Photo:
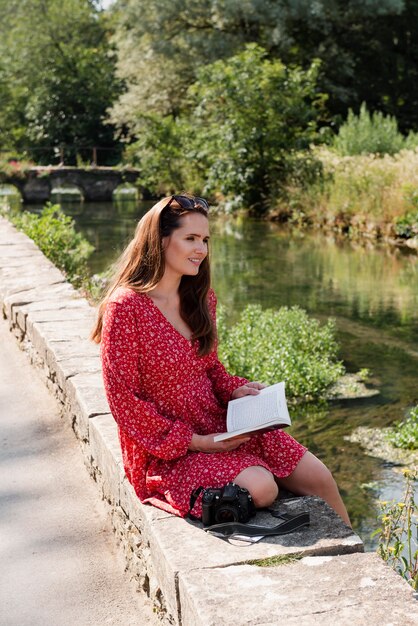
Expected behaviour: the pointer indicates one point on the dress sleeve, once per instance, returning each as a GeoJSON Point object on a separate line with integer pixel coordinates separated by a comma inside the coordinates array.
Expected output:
{"type": "Point", "coordinates": [223, 383]}
{"type": "Point", "coordinates": [139, 419]}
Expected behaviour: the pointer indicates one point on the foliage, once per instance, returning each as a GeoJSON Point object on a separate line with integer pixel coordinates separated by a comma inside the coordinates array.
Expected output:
{"type": "Point", "coordinates": [368, 50]}
{"type": "Point", "coordinates": [57, 66]}
{"type": "Point", "coordinates": [368, 134]}
{"type": "Point", "coordinates": [407, 225]}
{"type": "Point", "coordinates": [405, 434]}
{"type": "Point", "coordinates": [160, 154]}
{"type": "Point", "coordinates": [365, 191]}
{"type": "Point", "coordinates": [163, 43]}
{"type": "Point", "coordinates": [252, 118]}
{"type": "Point", "coordinates": [271, 346]}
{"type": "Point", "coordinates": [241, 135]}
{"type": "Point", "coordinates": [12, 166]}
{"type": "Point", "coordinates": [54, 233]}
{"type": "Point", "coordinates": [397, 545]}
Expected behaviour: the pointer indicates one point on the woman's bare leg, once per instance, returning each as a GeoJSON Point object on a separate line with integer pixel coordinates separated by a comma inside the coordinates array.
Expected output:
{"type": "Point", "coordinates": [312, 478]}
{"type": "Point", "coordinates": [260, 483]}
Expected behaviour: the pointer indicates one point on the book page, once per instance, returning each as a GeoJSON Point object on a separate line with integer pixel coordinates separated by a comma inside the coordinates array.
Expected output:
{"type": "Point", "coordinates": [250, 411]}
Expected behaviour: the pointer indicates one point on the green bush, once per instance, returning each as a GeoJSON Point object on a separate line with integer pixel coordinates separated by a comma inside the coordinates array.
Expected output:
{"type": "Point", "coordinates": [254, 119]}
{"type": "Point", "coordinates": [13, 166]}
{"type": "Point", "coordinates": [242, 134]}
{"type": "Point", "coordinates": [270, 346]}
{"type": "Point", "coordinates": [407, 225]}
{"type": "Point", "coordinates": [405, 434]}
{"type": "Point", "coordinates": [369, 134]}
{"type": "Point", "coordinates": [54, 233]}
{"type": "Point", "coordinates": [160, 154]}
{"type": "Point", "coordinates": [411, 141]}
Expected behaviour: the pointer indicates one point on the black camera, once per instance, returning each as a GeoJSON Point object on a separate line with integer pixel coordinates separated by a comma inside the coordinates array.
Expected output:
{"type": "Point", "coordinates": [229, 504]}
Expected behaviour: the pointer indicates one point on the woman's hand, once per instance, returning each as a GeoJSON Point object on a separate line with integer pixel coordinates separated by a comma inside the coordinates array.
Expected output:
{"type": "Point", "coordinates": [205, 443]}
{"type": "Point", "coordinates": [249, 389]}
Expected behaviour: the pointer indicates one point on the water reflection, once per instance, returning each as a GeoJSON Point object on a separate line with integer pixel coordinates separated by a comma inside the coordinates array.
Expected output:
{"type": "Point", "coordinates": [371, 291]}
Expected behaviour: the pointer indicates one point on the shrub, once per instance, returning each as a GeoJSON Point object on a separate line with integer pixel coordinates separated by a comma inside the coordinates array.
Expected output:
{"type": "Point", "coordinates": [54, 233]}
{"type": "Point", "coordinates": [271, 346]}
{"type": "Point", "coordinates": [243, 131]}
{"type": "Point", "coordinates": [254, 120]}
{"type": "Point", "coordinates": [13, 167]}
{"type": "Point", "coordinates": [380, 189]}
{"type": "Point", "coordinates": [407, 225]}
{"type": "Point", "coordinates": [160, 154]}
{"type": "Point", "coordinates": [405, 434]}
{"type": "Point", "coordinates": [369, 134]}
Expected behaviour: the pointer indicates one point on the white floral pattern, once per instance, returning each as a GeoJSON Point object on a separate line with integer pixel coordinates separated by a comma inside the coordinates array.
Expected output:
{"type": "Point", "coordinates": [161, 392]}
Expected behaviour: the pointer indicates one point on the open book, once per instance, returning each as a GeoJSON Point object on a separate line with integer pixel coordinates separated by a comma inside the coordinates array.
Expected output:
{"type": "Point", "coordinates": [255, 414]}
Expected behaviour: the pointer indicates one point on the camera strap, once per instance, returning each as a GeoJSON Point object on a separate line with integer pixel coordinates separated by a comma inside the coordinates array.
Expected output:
{"type": "Point", "coordinates": [232, 530]}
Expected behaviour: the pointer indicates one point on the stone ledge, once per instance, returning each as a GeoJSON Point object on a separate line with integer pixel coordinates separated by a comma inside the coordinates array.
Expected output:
{"type": "Point", "coordinates": [345, 590]}
{"type": "Point", "coordinates": [182, 568]}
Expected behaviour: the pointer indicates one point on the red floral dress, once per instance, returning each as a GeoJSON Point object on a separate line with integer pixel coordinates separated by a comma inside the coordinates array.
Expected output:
{"type": "Point", "coordinates": [161, 392]}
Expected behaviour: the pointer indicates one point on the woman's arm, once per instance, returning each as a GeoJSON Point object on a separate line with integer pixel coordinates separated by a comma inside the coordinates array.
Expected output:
{"type": "Point", "coordinates": [140, 419]}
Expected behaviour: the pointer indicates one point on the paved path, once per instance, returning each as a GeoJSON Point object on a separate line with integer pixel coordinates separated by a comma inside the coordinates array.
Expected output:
{"type": "Point", "coordinates": [59, 562]}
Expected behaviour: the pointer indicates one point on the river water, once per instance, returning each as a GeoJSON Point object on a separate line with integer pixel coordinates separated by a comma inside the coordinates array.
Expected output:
{"type": "Point", "coordinates": [371, 291]}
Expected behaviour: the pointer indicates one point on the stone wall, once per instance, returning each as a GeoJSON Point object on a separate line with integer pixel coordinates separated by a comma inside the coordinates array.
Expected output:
{"type": "Point", "coordinates": [318, 573]}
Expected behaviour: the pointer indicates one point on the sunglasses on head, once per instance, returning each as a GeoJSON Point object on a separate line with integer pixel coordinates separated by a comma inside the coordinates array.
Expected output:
{"type": "Point", "coordinates": [189, 203]}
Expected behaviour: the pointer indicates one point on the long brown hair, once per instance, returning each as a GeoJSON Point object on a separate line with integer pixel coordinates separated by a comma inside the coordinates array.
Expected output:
{"type": "Point", "coordinates": [141, 267]}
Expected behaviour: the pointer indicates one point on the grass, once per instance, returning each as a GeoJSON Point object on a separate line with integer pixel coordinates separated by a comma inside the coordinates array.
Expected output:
{"type": "Point", "coordinates": [277, 560]}
{"type": "Point", "coordinates": [376, 195]}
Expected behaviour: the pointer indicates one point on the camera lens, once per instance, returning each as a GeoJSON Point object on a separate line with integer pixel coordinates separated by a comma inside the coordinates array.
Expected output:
{"type": "Point", "coordinates": [226, 514]}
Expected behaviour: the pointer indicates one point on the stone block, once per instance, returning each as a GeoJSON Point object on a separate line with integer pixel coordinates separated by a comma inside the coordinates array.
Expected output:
{"type": "Point", "coordinates": [72, 329]}
{"type": "Point", "coordinates": [21, 266]}
{"type": "Point", "coordinates": [85, 398]}
{"type": "Point", "coordinates": [67, 368]}
{"type": "Point", "coordinates": [23, 249]}
{"type": "Point", "coordinates": [144, 516]}
{"type": "Point", "coordinates": [60, 350]}
{"type": "Point", "coordinates": [43, 294]}
{"type": "Point", "coordinates": [349, 590]}
{"type": "Point", "coordinates": [106, 455]}
{"type": "Point", "coordinates": [75, 309]}
{"type": "Point", "coordinates": [10, 236]}
{"type": "Point", "coordinates": [18, 285]}
{"type": "Point", "coordinates": [195, 549]}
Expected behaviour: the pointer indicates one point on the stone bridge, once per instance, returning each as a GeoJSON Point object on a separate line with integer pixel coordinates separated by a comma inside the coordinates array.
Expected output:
{"type": "Point", "coordinates": [96, 184]}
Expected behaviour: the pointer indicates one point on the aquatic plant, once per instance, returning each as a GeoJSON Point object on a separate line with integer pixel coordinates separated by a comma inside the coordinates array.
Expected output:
{"type": "Point", "coordinates": [398, 532]}
{"type": "Point", "coordinates": [405, 434]}
{"type": "Point", "coordinates": [285, 344]}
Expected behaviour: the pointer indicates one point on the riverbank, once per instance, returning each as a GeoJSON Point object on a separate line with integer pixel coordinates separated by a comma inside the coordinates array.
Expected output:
{"type": "Point", "coordinates": [360, 197]}
{"type": "Point", "coordinates": [375, 442]}
{"type": "Point", "coordinates": [189, 579]}
{"type": "Point", "coordinates": [363, 198]}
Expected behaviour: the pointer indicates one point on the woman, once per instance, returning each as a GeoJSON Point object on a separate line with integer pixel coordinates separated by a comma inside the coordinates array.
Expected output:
{"type": "Point", "coordinates": [166, 388]}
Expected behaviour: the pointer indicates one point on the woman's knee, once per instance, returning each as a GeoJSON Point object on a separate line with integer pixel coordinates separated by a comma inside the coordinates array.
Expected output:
{"type": "Point", "coordinates": [260, 483]}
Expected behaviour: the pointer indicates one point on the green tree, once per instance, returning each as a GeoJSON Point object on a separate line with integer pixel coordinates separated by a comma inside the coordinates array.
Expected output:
{"type": "Point", "coordinates": [58, 66]}
{"type": "Point", "coordinates": [243, 133]}
{"type": "Point", "coordinates": [252, 118]}
{"type": "Point", "coordinates": [368, 50]}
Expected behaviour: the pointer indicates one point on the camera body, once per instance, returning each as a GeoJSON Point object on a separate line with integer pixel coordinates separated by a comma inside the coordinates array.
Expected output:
{"type": "Point", "coordinates": [229, 504]}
